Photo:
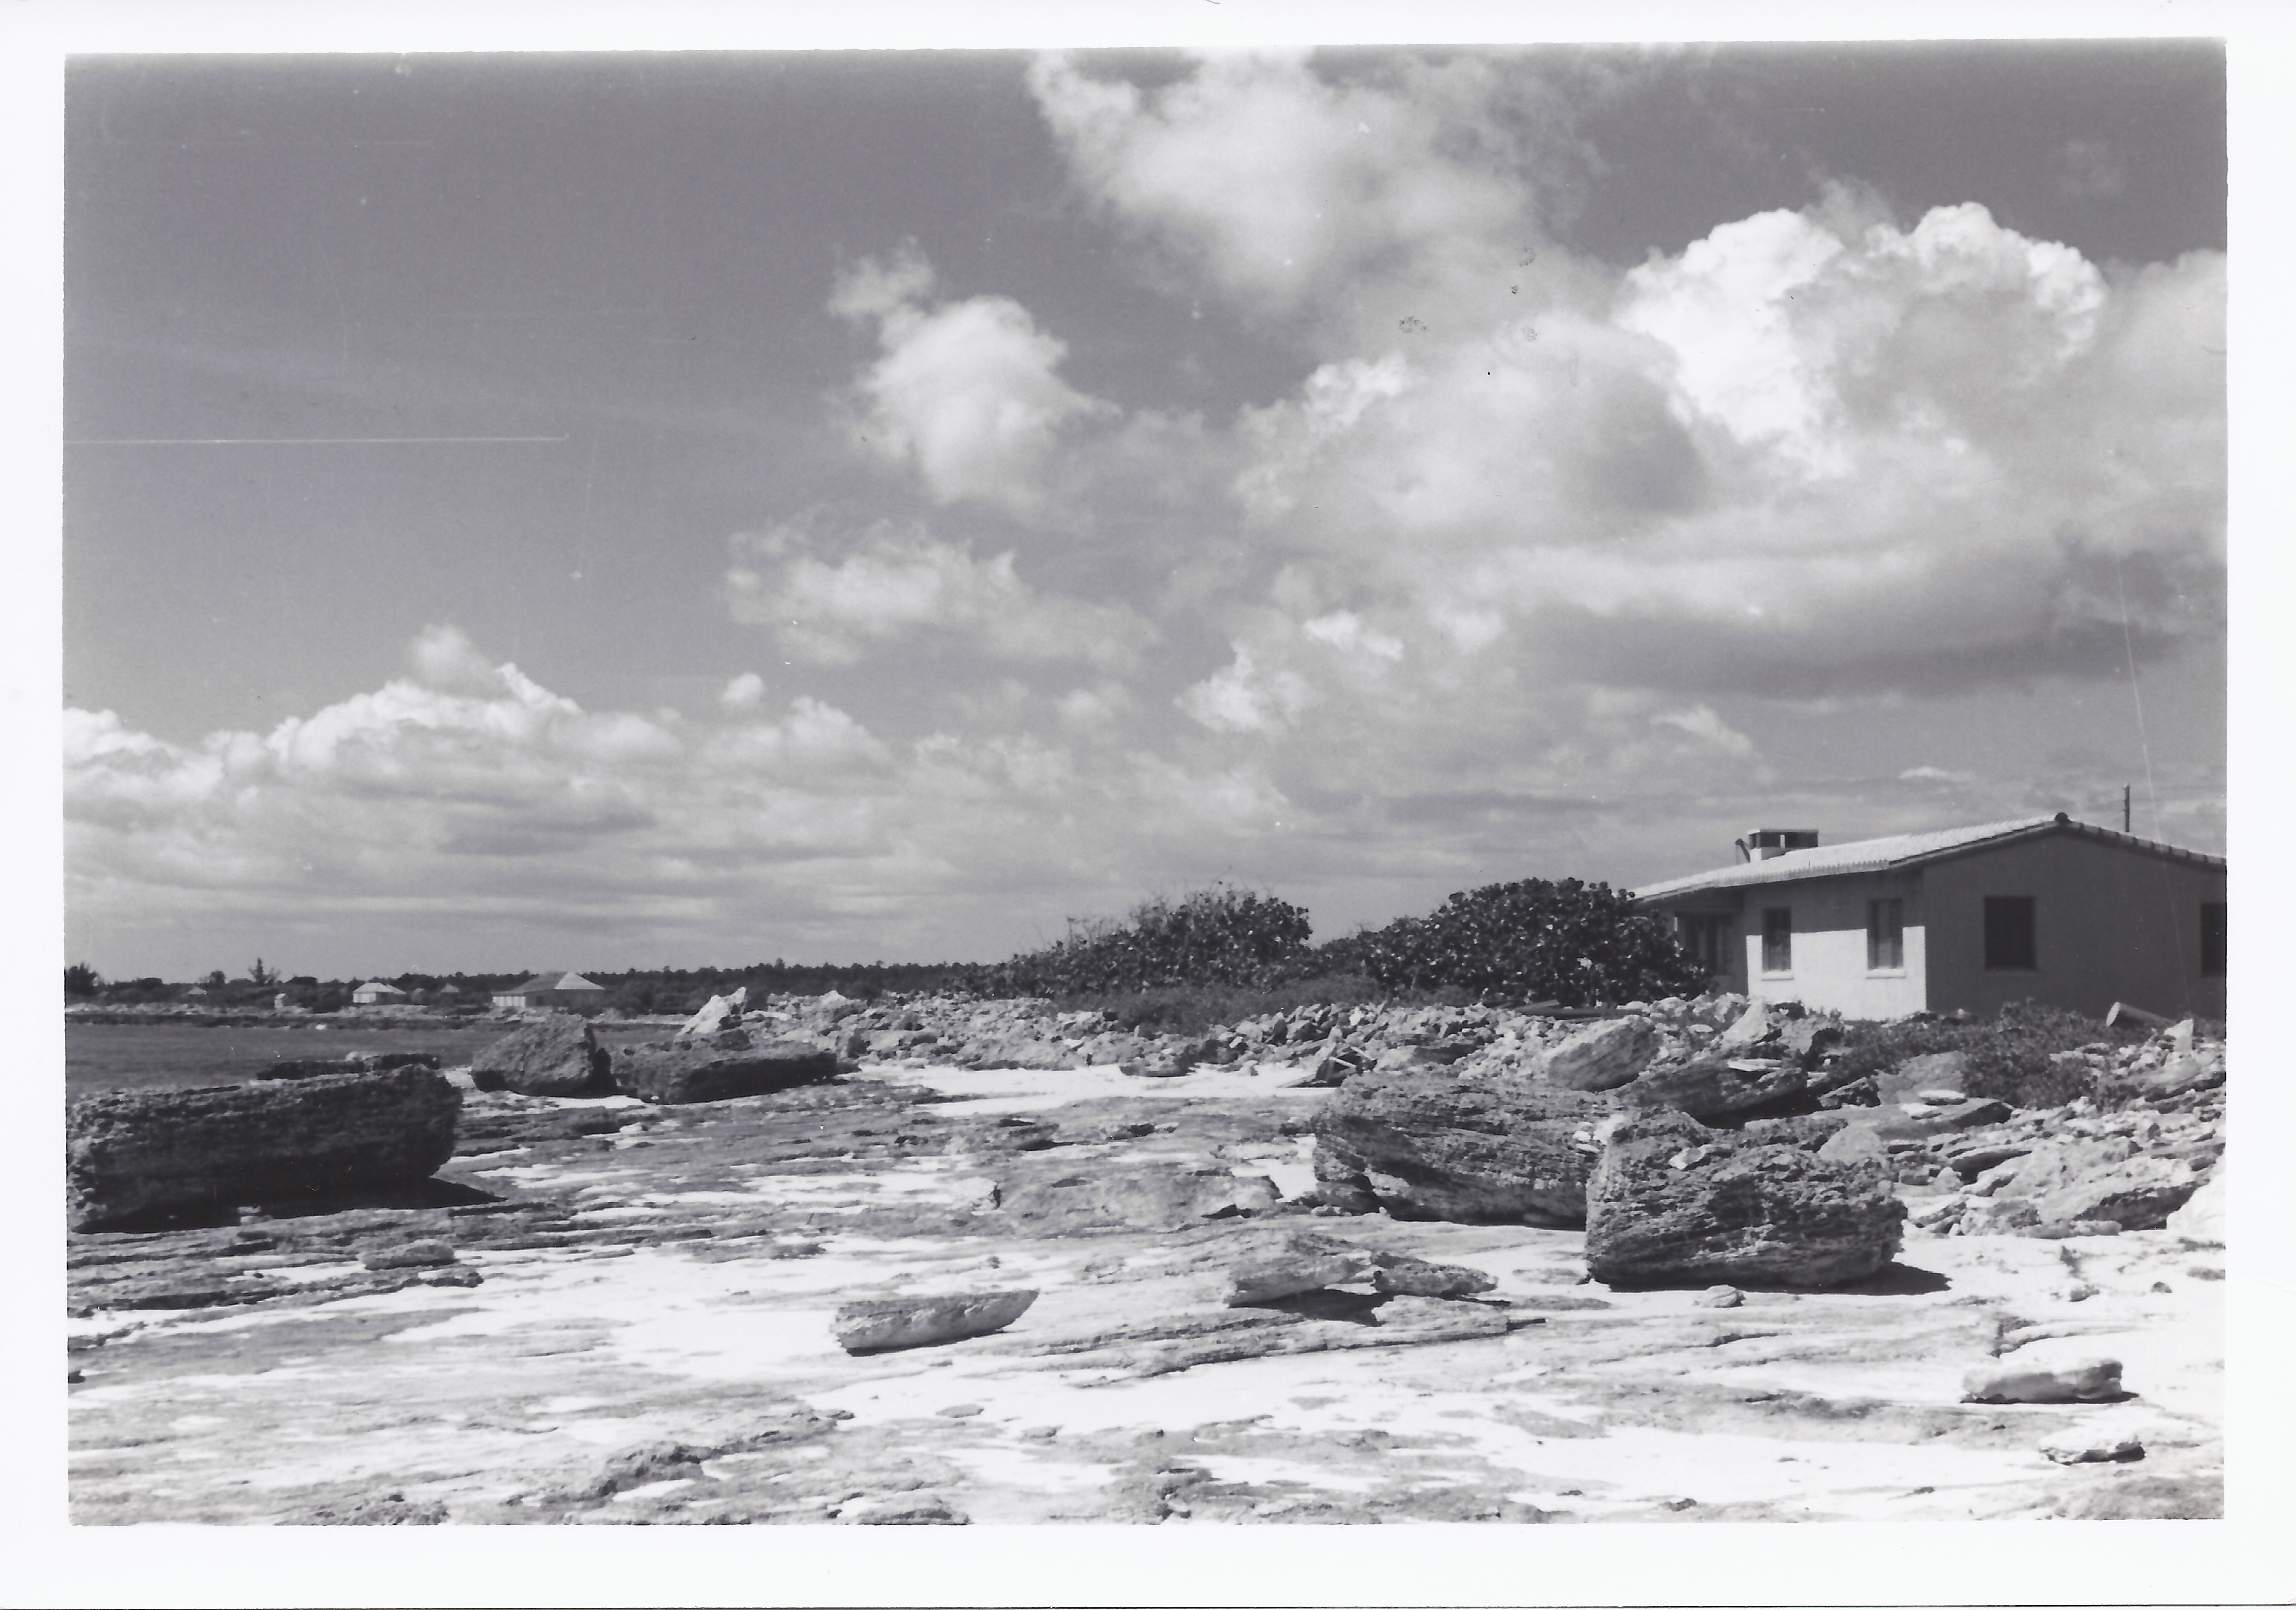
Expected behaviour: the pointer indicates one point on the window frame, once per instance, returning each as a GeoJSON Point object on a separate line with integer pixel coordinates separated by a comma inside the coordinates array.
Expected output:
{"type": "Point", "coordinates": [1775, 929]}
{"type": "Point", "coordinates": [1891, 960]}
{"type": "Point", "coordinates": [1989, 933]}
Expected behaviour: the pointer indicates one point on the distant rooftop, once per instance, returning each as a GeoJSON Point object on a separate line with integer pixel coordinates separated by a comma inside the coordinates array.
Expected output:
{"type": "Point", "coordinates": [1904, 850]}
{"type": "Point", "coordinates": [552, 981]}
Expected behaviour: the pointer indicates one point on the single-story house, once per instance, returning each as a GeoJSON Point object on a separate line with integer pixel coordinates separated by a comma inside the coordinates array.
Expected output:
{"type": "Point", "coordinates": [570, 991]}
{"type": "Point", "coordinates": [375, 991]}
{"type": "Point", "coordinates": [2047, 909]}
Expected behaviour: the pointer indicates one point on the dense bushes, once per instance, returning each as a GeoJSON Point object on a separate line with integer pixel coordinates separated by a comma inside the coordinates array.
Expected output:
{"type": "Point", "coordinates": [2009, 1055]}
{"type": "Point", "coordinates": [1573, 943]}
{"type": "Point", "coordinates": [1219, 936]}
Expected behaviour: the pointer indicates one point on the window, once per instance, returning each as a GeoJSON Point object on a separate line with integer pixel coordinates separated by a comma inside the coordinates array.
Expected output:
{"type": "Point", "coordinates": [2009, 946]}
{"type": "Point", "coordinates": [2212, 939]}
{"type": "Point", "coordinates": [1777, 939]}
{"type": "Point", "coordinates": [1705, 938]}
{"type": "Point", "coordinates": [1885, 936]}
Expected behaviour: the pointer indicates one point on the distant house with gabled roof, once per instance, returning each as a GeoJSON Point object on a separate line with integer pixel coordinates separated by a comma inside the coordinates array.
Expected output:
{"type": "Point", "coordinates": [570, 991]}
{"type": "Point", "coordinates": [375, 991]}
{"type": "Point", "coordinates": [1964, 918]}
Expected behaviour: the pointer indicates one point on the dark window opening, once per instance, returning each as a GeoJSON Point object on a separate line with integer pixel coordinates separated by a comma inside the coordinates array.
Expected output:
{"type": "Point", "coordinates": [2009, 938]}
{"type": "Point", "coordinates": [2212, 939]}
{"type": "Point", "coordinates": [1777, 939]}
{"type": "Point", "coordinates": [1705, 938]}
{"type": "Point", "coordinates": [1885, 936]}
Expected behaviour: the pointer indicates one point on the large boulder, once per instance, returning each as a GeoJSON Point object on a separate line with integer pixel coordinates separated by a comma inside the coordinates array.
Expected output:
{"type": "Point", "coordinates": [2201, 1221]}
{"type": "Point", "coordinates": [726, 1065]}
{"type": "Point", "coordinates": [718, 1013]}
{"type": "Point", "coordinates": [1499, 1147]}
{"type": "Point", "coordinates": [1713, 1086]}
{"type": "Point", "coordinates": [1601, 1055]}
{"type": "Point", "coordinates": [558, 1055]}
{"type": "Point", "coordinates": [130, 1155]}
{"type": "Point", "coordinates": [1675, 1203]}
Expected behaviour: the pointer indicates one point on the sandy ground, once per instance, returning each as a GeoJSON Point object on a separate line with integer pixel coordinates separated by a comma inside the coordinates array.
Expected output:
{"type": "Point", "coordinates": [650, 1340]}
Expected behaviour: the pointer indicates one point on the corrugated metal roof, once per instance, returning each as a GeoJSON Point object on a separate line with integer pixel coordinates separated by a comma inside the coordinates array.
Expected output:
{"type": "Point", "coordinates": [1899, 851]}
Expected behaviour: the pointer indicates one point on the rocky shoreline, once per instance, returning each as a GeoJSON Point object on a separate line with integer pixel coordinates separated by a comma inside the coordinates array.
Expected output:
{"type": "Point", "coordinates": [956, 1261]}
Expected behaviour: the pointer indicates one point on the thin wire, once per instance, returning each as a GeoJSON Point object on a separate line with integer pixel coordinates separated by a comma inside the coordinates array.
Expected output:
{"type": "Point", "coordinates": [2144, 743]}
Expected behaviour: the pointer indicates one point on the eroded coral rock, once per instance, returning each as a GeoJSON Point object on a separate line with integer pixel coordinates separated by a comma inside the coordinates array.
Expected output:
{"type": "Point", "coordinates": [1494, 1147]}
{"type": "Point", "coordinates": [1673, 1202]}
{"type": "Point", "coordinates": [887, 1324]}
{"type": "Point", "coordinates": [132, 1153]}
{"type": "Point", "coordinates": [558, 1055]}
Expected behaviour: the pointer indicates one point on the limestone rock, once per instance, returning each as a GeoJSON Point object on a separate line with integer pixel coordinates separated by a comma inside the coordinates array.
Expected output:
{"type": "Point", "coordinates": [1601, 1055]}
{"type": "Point", "coordinates": [1673, 1202]}
{"type": "Point", "coordinates": [1496, 1147]}
{"type": "Point", "coordinates": [721, 1069]}
{"type": "Point", "coordinates": [1753, 1025]}
{"type": "Point", "coordinates": [412, 1254]}
{"type": "Point", "coordinates": [1295, 1264]}
{"type": "Point", "coordinates": [2015, 1381]}
{"type": "Point", "coordinates": [2104, 1178]}
{"type": "Point", "coordinates": [130, 1153]}
{"type": "Point", "coordinates": [2201, 1221]}
{"type": "Point", "coordinates": [1146, 1197]}
{"type": "Point", "coordinates": [558, 1055]}
{"type": "Point", "coordinates": [1937, 1071]}
{"type": "Point", "coordinates": [718, 1012]}
{"type": "Point", "coordinates": [1401, 1275]}
{"type": "Point", "coordinates": [886, 1324]}
{"type": "Point", "coordinates": [2093, 1448]}
{"type": "Point", "coordinates": [1712, 1087]}
{"type": "Point", "coordinates": [311, 1067]}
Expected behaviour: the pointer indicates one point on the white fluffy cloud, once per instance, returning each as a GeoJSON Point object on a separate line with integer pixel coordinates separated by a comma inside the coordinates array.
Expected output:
{"type": "Point", "coordinates": [466, 807]}
{"type": "Point", "coordinates": [901, 583]}
{"type": "Point", "coordinates": [967, 393]}
{"type": "Point", "coordinates": [1284, 185]}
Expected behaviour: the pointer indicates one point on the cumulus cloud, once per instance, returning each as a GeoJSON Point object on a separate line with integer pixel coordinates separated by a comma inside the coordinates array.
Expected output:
{"type": "Point", "coordinates": [900, 584]}
{"type": "Point", "coordinates": [493, 809]}
{"type": "Point", "coordinates": [966, 393]}
{"type": "Point", "coordinates": [1283, 185]}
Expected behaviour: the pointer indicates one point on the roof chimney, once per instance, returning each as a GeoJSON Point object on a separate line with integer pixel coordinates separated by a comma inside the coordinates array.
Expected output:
{"type": "Point", "coordinates": [1766, 844]}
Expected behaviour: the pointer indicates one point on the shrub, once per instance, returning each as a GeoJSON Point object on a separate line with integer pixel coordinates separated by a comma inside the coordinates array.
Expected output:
{"type": "Point", "coordinates": [1219, 935]}
{"type": "Point", "coordinates": [2010, 1056]}
{"type": "Point", "coordinates": [81, 979]}
{"type": "Point", "coordinates": [1569, 941]}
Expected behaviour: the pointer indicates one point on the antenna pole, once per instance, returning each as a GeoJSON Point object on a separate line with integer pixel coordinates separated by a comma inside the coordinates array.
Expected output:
{"type": "Point", "coordinates": [2124, 807]}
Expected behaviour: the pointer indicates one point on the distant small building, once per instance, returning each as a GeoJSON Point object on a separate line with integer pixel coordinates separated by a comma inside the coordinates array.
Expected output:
{"type": "Point", "coordinates": [1964, 918]}
{"type": "Point", "coordinates": [570, 991]}
{"type": "Point", "coordinates": [376, 993]}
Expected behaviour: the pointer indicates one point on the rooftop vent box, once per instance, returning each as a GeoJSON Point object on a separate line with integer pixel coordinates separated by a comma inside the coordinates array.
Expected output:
{"type": "Point", "coordinates": [1763, 843]}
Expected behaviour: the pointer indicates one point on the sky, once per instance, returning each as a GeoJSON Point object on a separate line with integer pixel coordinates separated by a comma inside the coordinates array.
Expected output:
{"type": "Point", "coordinates": [648, 509]}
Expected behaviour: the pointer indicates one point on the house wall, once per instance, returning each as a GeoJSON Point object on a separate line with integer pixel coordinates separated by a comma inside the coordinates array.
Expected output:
{"type": "Point", "coordinates": [1829, 971]}
{"type": "Point", "coordinates": [1829, 968]}
{"type": "Point", "coordinates": [2110, 924]}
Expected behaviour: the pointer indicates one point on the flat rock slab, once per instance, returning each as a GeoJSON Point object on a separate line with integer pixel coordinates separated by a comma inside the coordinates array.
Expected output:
{"type": "Point", "coordinates": [1712, 1087]}
{"type": "Point", "coordinates": [130, 1155]}
{"type": "Point", "coordinates": [1149, 1196]}
{"type": "Point", "coordinates": [889, 1324]}
{"type": "Point", "coordinates": [2079, 1381]}
{"type": "Point", "coordinates": [716, 1070]}
{"type": "Point", "coordinates": [1673, 1202]}
{"type": "Point", "coordinates": [1483, 1149]}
